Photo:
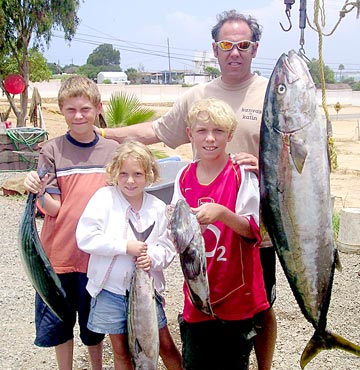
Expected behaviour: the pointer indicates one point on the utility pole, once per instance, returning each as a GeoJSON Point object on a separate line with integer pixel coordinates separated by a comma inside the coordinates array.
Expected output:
{"type": "Point", "coordinates": [170, 79]}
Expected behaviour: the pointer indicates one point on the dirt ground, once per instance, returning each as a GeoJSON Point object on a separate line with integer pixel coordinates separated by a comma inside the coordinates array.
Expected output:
{"type": "Point", "coordinates": [16, 296]}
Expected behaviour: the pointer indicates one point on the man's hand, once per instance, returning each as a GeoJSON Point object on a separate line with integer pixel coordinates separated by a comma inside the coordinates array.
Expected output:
{"type": "Point", "coordinates": [250, 162]}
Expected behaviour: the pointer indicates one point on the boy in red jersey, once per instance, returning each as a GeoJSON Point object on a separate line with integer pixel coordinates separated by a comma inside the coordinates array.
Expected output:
{"type": "Point", "coordinates": [225, 199]}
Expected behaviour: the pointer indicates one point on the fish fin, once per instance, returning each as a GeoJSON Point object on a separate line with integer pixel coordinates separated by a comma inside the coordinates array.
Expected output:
{"type": "Point", "coordinates": [141, 236]}
{"type": "Point", "coordinates": [325, 341]}
{"type": "Point", "coordinates": [298, 152]}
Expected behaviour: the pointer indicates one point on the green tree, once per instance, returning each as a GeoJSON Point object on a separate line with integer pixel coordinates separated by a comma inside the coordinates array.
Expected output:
{"type": "Point", "coordinates": [314, 69]}
{"type": "Point", "coordinates": [350, 81]}
{"type": "Point", "coordinates": [38, 68]}
{"type": "Point", "coordinates": [22, 21]}
{"type": "Point", "coordinates": [134, 76]}
{"type": "Point", "coordinates": [70, 68]}
{"type": "Point", "coordinates": [341, 68]}
{"type": "Point", "coordinates": [102, 59]}
{"type": "Point", "coordinates": [125, 110]}
{"type": "Point", "coordinates": [54, 68]}
{"type": "Point", "coordinates": [212, 71]}
{"type": "Point", "coordinates": [104, 55]}
{"type": "Point", "coordinates": [89, 71]}
{"type": "Point", "coordinates": [356, 86]}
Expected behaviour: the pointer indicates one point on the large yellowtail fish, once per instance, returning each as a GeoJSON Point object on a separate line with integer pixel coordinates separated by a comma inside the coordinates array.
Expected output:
{"type": "Point", "coordinates": [295, 196]}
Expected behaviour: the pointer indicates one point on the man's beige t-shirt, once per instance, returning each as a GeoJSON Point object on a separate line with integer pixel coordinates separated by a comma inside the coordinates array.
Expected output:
{"type": "Point", "coordinates": [246, 99]}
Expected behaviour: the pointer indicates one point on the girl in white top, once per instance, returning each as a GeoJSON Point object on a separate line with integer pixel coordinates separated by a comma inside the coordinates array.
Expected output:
{"type": "Point", "coordinates": [104, 232]}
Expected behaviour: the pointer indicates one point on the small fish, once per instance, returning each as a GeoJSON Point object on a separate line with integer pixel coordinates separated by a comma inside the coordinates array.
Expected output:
{"type": "Point", "coordinates": [143, 338]}
{"type": "Point", "coordinates": [37, 265]}
{"type": "Point", "coordinates": [295, 196]}
{"type": "Point", "coordinates": [189, 243]}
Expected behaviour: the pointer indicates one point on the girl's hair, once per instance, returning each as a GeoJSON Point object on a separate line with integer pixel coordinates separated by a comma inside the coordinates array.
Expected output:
{"type": "Point", "coordinates": [234, 16]}
{"type": "Point", "coordinates": [76, 86]}
{"type": "Point", "coordinates": [137, 151]}
{"type": "Point", "coordinates": [212, 110]}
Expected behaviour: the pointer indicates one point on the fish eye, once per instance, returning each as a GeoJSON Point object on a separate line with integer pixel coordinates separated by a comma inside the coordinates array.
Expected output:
{"type": "Point", "coordinates": [281, 89]}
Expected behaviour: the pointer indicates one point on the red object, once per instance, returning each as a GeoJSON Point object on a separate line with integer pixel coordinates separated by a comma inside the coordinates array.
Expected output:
{"type": "Point", "coordinates": [14, 84]}
{"type": "Point", "coordinates": [7, 124]}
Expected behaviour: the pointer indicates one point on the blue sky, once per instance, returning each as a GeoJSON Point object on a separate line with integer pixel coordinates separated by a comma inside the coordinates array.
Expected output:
{"type": "Point", "coordinates": [142, 31]}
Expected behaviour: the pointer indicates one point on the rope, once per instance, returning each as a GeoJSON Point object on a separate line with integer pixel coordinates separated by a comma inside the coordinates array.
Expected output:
{"type": "Point", "coordinates": [331, 143]}
{"type": "Point", "coordinates": [347, 8]}
{"type": "Point", "coordinates": [28, 137]}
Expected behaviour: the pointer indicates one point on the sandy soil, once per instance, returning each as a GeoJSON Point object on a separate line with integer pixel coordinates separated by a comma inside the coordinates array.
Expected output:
{"type": "Point", "coordinates": [16, 296]}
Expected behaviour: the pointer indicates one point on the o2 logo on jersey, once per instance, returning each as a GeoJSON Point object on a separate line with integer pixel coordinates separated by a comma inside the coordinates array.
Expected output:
{"type": "Point", "coordinates": [212, 236]}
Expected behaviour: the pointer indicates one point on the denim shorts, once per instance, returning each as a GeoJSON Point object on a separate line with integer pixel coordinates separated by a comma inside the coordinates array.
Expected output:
{"type": "Point", "coordinates": [50, 331]}
{"type": "Point", "coordinates": [108, 313]}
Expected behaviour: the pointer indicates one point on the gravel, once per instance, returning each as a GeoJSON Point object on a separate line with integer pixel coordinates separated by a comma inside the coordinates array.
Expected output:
{"type": "Point", "coordinates": [17, 351]}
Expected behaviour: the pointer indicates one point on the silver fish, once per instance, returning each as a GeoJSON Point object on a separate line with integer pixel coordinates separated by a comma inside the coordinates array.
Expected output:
{"type": "Point", "coordinates": [295, 196]}
{"type": "Point", "coordinates": [189, 243]}
{"type": "Point", "coordinates": [37, 265]}
{"type": "Point", "coordinates": [143, 338]}
{"type": "Point", "coordinates": [142, 322]}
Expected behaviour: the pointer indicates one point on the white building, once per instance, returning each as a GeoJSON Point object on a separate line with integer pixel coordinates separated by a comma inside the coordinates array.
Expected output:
{"type": "Point", "coordinates": [113, 77]}
{"type": "Point", "coordinates": [195, 78]}
{"type": "Point", "coordinates": [204, 59]}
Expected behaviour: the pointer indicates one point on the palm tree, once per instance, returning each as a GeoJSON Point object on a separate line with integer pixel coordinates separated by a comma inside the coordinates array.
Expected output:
{"type": "Point", "coordinates": [125, 110]}
{"type": "Point", "coordinates": [341, 68]}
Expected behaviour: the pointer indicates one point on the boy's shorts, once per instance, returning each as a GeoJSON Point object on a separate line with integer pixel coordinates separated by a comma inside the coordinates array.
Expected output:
{"type": "Point", "coordinates": [108, 314]}
{"type": "Point", "coordinates": [50, 331]}
{"type": "Point", "coordinates": [268, 263]}
{"type": "Point", "coordinates": [216, 344]}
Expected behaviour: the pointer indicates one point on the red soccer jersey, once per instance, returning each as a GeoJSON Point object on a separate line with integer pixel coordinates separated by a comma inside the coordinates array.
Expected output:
{"type": "Point", "coordinates": [233, 264]}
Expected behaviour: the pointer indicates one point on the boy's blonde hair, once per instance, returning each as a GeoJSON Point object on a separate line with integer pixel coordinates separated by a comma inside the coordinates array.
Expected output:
{"type": "Point", "coordinates": [76, 86]}
{"type": "Point", "coordinates": [137, 151]}
{"type": "Point", "coordinates": [212, 110]}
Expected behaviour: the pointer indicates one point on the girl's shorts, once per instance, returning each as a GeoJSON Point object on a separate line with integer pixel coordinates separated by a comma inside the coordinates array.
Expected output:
{"type": "Point", "coordinates": [108, 313]}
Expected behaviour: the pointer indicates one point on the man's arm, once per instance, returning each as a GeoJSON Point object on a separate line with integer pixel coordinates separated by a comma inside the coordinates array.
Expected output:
{"type": "Point", "coordinates": [142, 132]}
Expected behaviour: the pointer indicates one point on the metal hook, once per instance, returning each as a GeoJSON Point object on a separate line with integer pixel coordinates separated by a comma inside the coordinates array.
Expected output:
{"type": "Point", "coordinates": [302, 54]}
{"type": "Point", "coordinates": [287, 11]}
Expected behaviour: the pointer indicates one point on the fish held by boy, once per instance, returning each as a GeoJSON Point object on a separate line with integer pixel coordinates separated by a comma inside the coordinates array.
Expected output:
{"type": "Point", "coordinates": [36, 263]}
{"type": "Point", "coordinates": [189, 243]}
{"type": "Point", "coordinates": [143, 337]}
{"type": "Point", "coordinates": [295, 196]}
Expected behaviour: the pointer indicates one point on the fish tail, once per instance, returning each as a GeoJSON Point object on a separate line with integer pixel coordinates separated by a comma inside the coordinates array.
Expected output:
{"type": "Point", "coordinates": [325, 341]}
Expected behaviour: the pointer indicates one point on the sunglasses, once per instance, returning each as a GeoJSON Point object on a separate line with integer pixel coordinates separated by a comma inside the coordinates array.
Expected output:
{"type": "Point", "coordinates": [241, 45]}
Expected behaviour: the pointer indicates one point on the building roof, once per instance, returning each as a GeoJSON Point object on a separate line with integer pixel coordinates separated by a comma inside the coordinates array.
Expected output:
{"type": "Point", "coordinates": [338, 87]}
{"type": "Point", "coordinates": [112, 74]}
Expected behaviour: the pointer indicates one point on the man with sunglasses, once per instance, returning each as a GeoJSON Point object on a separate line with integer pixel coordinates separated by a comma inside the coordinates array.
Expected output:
{"type": "Point", "coordinates": [236, 39]}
